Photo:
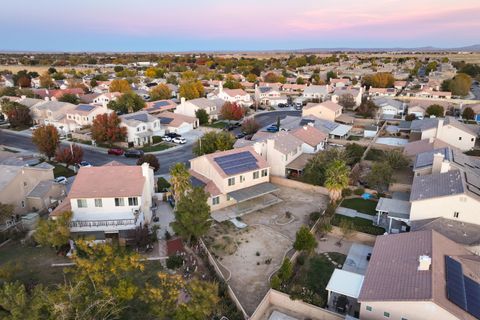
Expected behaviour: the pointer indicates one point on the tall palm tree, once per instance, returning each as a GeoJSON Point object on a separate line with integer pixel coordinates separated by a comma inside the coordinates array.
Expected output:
{"type": "Point", "coordinates": [336, 179]}
{"type": "Point", "coordinates": [180, 180]}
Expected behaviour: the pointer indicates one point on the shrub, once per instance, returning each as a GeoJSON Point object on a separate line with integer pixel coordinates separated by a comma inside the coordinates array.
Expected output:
{"type": "Point", "coordinates": [359, 191]}
{"type": "Point", "coordinates": [162, 184]}
{"type": "Point", "coordinates": [314, 216]}
{"type": "Point", "coordinates": [346, 192]}
{"type": "Point", "coordinates": [156, 139]}
{"type": "Point", "coordinates": [301, 260]}
{"type": "Point", "coordinates": [174, 262]}
{"type": "Point", "coordinates": [275, 282]}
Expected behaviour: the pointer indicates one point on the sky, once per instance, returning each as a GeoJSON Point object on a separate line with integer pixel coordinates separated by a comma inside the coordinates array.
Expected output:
{"type": "Point", "coordinates": [209, 25]}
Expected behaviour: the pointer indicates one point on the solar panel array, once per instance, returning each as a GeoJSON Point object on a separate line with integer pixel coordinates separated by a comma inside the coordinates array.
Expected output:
{"type": "Point", "coordinates": [143, 117]}
{"type": "Point", "coordinates": [462, 290]}
{"type": "Point", "coordinates": [237, 163]}
{"type": "Point", "coordinates": [164, 120]}
{"type": "Point", "coordinates": [85, 107]}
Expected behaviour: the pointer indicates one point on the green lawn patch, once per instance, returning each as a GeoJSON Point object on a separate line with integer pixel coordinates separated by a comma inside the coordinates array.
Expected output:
{"type": "Point", "coordinates": [60, 170]}
{"type": "Point", "coordinates": [354, 138]}
{"type": "Point", "coordinates": [361, 205]}
{"type": "Point", "coordinates": [314, 275]}
{"type": "Point", "coordinates": [156, 139]}
{"type": "Point", "coordinates": [156, 147]}
{"type": "Point", "coordinates": [87, 142]}
{"type": "Point", "coordinates": [32, 264]}
{"type": "Point", "coordinates": [359, 224]}
{"type": "Point", "coordinates": [218, 125]}
{"type": "Point", "coordinates": [374, 155]}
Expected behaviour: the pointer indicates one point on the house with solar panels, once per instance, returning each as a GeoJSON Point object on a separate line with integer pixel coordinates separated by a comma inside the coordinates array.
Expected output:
{"type": "Point", "coordinates": [141, 127]}
{"type": "Point", "coordinates": [155, 107]}
{"type": "Point", "coordinates": [190, 107]}
{"type": "Point", "coordinates": [420, 275]}
{"type": "Point", "coordinates": [84, 114]}
{"type": "Point", "coordinates": [269, 96]}
{"type": "Point", "coordinates": [237, 180]}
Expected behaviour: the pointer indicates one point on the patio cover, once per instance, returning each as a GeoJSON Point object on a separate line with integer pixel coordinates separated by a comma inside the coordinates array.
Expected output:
{"type": "Point", "coordinates": [253, 192]}
{"type": "Point", "coordinates": [341, 130]}
{"type": "Point", "coordinates": [394, 208]}
{"type": "Point", "coordinates": [300, 162]}
{"type": "Point", "coordinates": [347, 283]}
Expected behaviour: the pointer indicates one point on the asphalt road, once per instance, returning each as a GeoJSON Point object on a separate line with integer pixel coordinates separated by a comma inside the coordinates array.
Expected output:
{"type": "Point", "coordinates": [476, 91]}
{"type": "Point", "coordinates": [98, 158]}
{"type": "Point", "coordinates": [266, 119]}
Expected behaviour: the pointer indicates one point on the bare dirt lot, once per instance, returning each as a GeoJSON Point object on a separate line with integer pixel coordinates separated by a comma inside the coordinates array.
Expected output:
{"type": "Point", "coordinates": [249, 256]}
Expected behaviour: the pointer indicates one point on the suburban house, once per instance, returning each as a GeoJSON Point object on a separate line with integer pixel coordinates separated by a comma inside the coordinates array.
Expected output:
{"type": "Point", "coordinates": [190, 107]}
{"type": "Point", "coordinates": [109, 202]}
{"type": "Point", "coordinates": [413, 148]}
{"type": "Point", "coordinates": [313, 139]}
{"type": "Point", "coordinates": [238, 96]}
{"type": "Point", "coordinates": [104, 98]}
{"type": "Point", "coordinates": [355, 93]}
{"type": "Point", "coordinates": [54, 113]}
{"type": "Point", "coordinates": [399, 84]}
{"type": "Point", "coordinates": [476, 110]}
{"type": "Point", "coordinates": [382, 92]}
{"type": "Point", "coordinates": [431, 94]}
{"type": "Point", "coordinates": [29, 188]}
{"type": "Point", "coordinates": [389, 107]}
{"type": "Point", "coordinates": [338, 83]}
{"type": "Point", "coordinates": [327, 110]}
{"type": "Point", "coordinates": [177, 123]}
{"type": "Point", "coordinates": [7, 80]}
{"type": "Point", "coordinates": [154, 107]}
{"type": "Point", "coordinates": [269, 96]}
{"type": "Point", "coordinates": [141, 127]}
{"type": "Point", "coordinates": [332, 129]}
{"type": "Point", "coordinates": [446, 184]}
{"type": "Point", "coordinates": [84, 114]}
{"type": "Point", "coordinates": [449, 130]}
{"type": "Point", "coordinates": [235, 177]}
{"type": "Point", "coordinates": [314, 92]}
{"type": "Point", "coordinates": [420, 275]}
{"type": "Point", "coordinates": [419, 107]}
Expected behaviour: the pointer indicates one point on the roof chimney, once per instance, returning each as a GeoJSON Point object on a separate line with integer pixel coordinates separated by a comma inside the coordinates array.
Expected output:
{"type": "Point", "coordinates": [437, 162]}
{"type": "Point", "coordinates": [182, 100]}
{"type": "Point", "coordinates": [424, 263]}
{"type": "Point", "coordinates": [439, 128]}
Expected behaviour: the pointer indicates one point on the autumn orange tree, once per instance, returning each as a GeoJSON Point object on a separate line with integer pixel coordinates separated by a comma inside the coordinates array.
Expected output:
{"type": "Point", "coordinates": [106, 129]}
{"type": "Point", "coordinates": [231, 111]}
{"type": "Point", "coordinates": [120, 85]}
{"type": "Point", "coordinates": [379, 80]}
{"type": "Point", "coordinates": [69, 155]}
{"type": "Point", "coordinates": [46, 139]}
{"type": "Point", "coordinates": [160, 92]}
{"type": "Point", "coordinates": [191, 90]}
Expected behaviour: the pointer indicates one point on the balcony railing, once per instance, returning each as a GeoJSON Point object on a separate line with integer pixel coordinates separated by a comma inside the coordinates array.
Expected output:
{"type": "Point", "coordinates": [101, 223]}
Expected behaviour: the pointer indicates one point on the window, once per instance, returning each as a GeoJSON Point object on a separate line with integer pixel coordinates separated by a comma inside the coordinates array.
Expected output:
{"type": "Point", "coordinates": [119, 202]}
{"type": "Point", "coordinates": [138, 129]}
{"type": "Point", "coordinates": [455, 214]}
{"type": "Point", "coordinates": [242, 178]}
{"type": "Point", "coordinates": [264, 172]}
{"type": "Point", "coordinates": [133, 201]}
{"type": "Point", "coordinates": [473, 139]}
{"type": "Point", "coordinates": [404, 318]}
{"type": "Point", "coordinates": [386, 314]}
{"type": "Point", "coordinates": [23, 204]}
{"type": "Point", "coordinates": [256, 175]}
{"type": "Point", "coordinates": [459, 138]}
{"type": "Point", "coordinates": [216, 200]}
{"type": "Point", "coordinates": [368, 308]}
{"type": "Point", "coordinates": [98, 203]}
{"type": "Point", "coordinates": [231, 181]}
{"type": "Point", "coordinates": [81, 203]}
{"type": "Point", "coordinates": [229, 198]}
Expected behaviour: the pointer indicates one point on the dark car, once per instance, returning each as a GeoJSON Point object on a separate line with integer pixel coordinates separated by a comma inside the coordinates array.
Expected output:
{"type": "Point", "coordinates": [173, 135]}
{"type": "Point", "coordinates": [115, 151]}
{"type": "Point", "coordinates": [282, 105]}
{"type": "Point", "coordinates": [240, 135]}
{"type": "Point", "coordinates": [133, 153]}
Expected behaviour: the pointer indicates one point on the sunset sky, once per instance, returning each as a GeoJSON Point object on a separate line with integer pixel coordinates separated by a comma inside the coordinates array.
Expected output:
{"type": "Point", "coordinates": [187, 25]}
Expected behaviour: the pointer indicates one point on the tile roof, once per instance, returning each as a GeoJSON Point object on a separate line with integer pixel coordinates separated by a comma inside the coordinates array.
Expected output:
{"type": "Point", "coordinates": [310, 135]}
{"type": "Point", "coordinates": [108, 182]}
{"type": "Point", "coordinates": [285, 142]}
{"type": "Point", "coordinates": [175, 119]}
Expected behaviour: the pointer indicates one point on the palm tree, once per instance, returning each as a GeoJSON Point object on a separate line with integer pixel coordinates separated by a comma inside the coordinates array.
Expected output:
{"type": "Point", "coordinates": [336, 179]}
{"type": "Point", "coordinates": [180, 180]}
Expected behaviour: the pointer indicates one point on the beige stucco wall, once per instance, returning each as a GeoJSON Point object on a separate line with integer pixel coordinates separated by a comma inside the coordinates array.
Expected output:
{"type": "Point", "coordinates": [24, 182]}
{"type": "Point", "coordinates": [418, 310]}
{"type": "Point", "coordinates": [467, 207]}
{"type": "Point", "coordinates": [321, 112]}
{"type": "Point", "coordinates": [452, 135]}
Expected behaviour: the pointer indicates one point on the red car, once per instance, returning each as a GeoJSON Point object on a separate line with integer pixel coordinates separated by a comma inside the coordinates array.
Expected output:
{"type": "Point", "coordinates": [116, 151]}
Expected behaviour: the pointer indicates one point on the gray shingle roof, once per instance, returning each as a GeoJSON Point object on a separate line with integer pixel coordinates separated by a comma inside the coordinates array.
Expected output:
{"type": "Point", "coordinates": [425, 159]}
{"type": "Point", "coordinates": [437, 185]}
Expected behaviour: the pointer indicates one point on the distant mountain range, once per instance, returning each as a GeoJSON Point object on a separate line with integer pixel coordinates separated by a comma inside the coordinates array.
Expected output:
{"type": "Point", "coordinates": [472, 48]}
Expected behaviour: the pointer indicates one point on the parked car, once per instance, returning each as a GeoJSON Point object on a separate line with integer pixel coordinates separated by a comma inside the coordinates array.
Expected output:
{"type": "Point", "coordinates": [173, 135]}
{"type": "Point", "coordinates": [115, 151]}
{"type": "Point", "coordinates": [298, 106]}
{"type": "Point", "coordinates": [166, 138]}
{"type": "Point", "coordinates": [240, 135]}
{"type": "Point", "coordinates": [84, 164]}
{"type": "Point", "coordinates": [61, 180]}
{"type": "Point", "coordinates": [282, 105]}
{"type": "Point", "coordinates": [133, 153]}
{"type": "Point", "coordinates": [272, 128]}
{"type": "Point", "coordinates": [179, 140]}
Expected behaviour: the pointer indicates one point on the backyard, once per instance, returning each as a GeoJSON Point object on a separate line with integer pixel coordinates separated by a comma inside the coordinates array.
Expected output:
{"type": "Point", "coordinates": [361, 205]}
{"type": "Point", "coordinates": [358, 224]}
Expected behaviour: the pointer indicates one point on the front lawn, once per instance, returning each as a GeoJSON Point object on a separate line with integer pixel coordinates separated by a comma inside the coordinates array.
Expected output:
{"type": "Point", "coordinates": [313, 276]}
{"type": "Point", "coordinates": [60, 170]}
{"type": "Point", "coordinates": [361, 205]}
{"type": "Point", "coordinates": [31, 264]}
{"type": "Point", "coordinates": [217, 125]}
{"type": "Point", "coordinates": [359, 224]}
{"type": "Point", "coordinates": [156, 147]}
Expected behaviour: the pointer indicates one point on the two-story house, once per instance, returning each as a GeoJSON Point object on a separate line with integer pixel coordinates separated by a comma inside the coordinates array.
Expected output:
{"type": "Point", "coordinates": [232, 177]}
{"type": "Point", "coordinates": [238, 96]}
{"type": "Point", "coordinates": [104, 98]}
{"type": "Point", "coordinates": [141, 127]}
{"type": "Point", "coordinates": [318, 93]}
{"type": "Point", "coordinates": [190, 107]}
{"type": "Point", "coordinates": [54, 113]}
{"type": "Point", "coordinates": [269, 96]}
{"type": "Point", "coordinates": [327, 110]}
{"type": "Point", "coordinates": [84, 114]}
{"type": "Point", "coordinates": [355, 93]}
{"type": "Point", "coordinates": [109, 202]}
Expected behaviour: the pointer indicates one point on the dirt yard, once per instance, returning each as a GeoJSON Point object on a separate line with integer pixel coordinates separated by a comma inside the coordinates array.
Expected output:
{"type": "Point", "coordinates": [251, 255]}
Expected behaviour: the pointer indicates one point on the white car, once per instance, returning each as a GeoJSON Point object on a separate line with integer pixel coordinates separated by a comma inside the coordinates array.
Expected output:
{"type": "Point", "coordinates": [61, 180]}
{"type": "Point", "coordinates": [166, 138]}
{"type": "Point", "coordinates": [179, 140]}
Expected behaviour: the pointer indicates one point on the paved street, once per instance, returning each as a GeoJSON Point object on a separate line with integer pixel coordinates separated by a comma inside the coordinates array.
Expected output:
{"type": "Point", "coordinates": [98, 158]}
{"type": "Point", "coordinates": [266, 119]}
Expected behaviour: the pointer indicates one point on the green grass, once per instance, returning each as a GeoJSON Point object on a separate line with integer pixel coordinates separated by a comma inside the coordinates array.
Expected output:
{"type": "Point", "coordinates": [31, 264]}
{"type": "Point", "coordinates": [87, 142]}
{"type": "Point", "coordinates": [156, 139]}
{"type": "Point", "coordinates": [354, 138]}
{"type": "Point", "coordinates": [374, 155]}
{"type": "Point", "coordinates": [359, 224]}
{"type": "Point", "coordinates": [314, 275]}
{"type": "Point", "coordinates": [157, 147]}
{"type": "Point", "coordinates": [361, 205]}
{"type": "Point", "coordinates": [60, 170]}
{"type": "Point", "coordinates": [218, 125]}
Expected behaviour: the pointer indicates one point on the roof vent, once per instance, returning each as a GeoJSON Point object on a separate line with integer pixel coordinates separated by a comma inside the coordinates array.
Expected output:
{"type": "Point", "coordinates": [424, 263]}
